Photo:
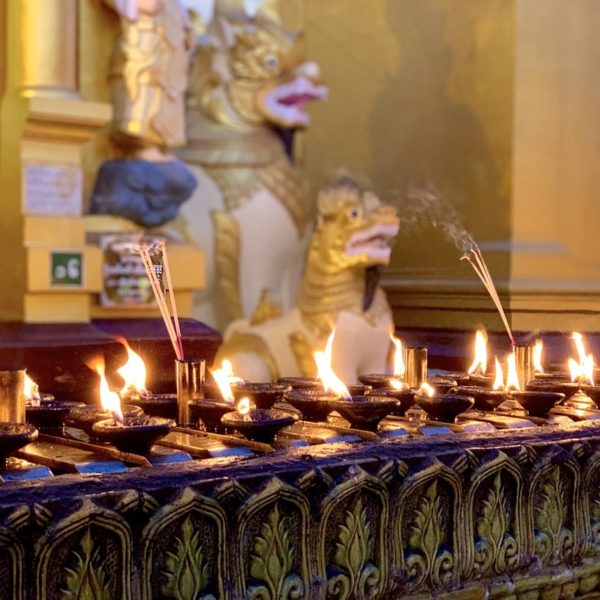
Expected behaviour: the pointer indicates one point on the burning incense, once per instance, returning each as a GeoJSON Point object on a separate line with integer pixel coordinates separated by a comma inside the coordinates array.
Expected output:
{"type": "Point", "coordinates": [483, 273]}
{"type": "Point", "coordinates": [174, 332]}
{"type": "Point", "coordinates": [163, 248]}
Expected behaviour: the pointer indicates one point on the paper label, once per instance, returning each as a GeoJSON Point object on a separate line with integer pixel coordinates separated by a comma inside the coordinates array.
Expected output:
{"type": "Point", "coordinates": [52, 189]}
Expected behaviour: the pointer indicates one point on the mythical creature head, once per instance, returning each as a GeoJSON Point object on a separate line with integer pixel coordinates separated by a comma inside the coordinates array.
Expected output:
{"type": "Point", "coordinates": [249, 70]}
{"type": "Point", "coordinates": [354, 229]}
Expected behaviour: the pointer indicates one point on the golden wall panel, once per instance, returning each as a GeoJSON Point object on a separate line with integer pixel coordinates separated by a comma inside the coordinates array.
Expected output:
{"type": "Point", "coordinates": [420, 92]}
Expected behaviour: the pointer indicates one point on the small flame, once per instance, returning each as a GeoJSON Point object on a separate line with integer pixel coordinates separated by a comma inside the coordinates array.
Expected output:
{"type": "Point", "coordinates": [109, 400]}
{"type": "Point", "coordinates": [224, 378]}
{"type": "Point", "coordinates": [399, 366]}
{"type": "Point", "coordinates": [582, 371]}
{"type": "Point", "coordinates": [538, 349]}
{"type": "Point", "coordinates": [499, 379]}
{"type": "Point", "coordinates": [512, 377]}
{"type": "Point", "coordinates": [243, 406]}
{"type": "Point", "coordinates": [398, 385]}
{"type": "Point", "coordinates": [426, 390]}
{"type": "Point", "coordinates": [31, 391]}
{"type": "Point", "coordinates": [479, 364]}
{"type": "Point", "coordinates": [133, 372]}
{"type": "Point", "coordinates": [331, 382]}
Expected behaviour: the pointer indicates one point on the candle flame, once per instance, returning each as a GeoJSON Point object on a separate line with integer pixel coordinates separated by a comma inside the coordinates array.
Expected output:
{"type": "Point", "coordinates": [512, 376]}
{"type": "Point", "coordinates": [538, 349]}
{"type": "Point", "coordinates": [243, 406]}
{"type": "Point", "coordinates": [582, 371]}
{"type": "Point", "coordinates": [426, 390]}
{"type": "Point", "coordinates": [224, 378]}
{"type": "Point", "coordinates": [398, 385]}
{"type": "Point", "coordinates": [31, 391]}
{"type": "Point", "coordinates": [499, 379]}
{"type": "Point", "coordinates": [133, 372]}
{"type": "Point", "coordinates": [399, 366]}
{"type": "Point", "coordinates": [331, 382]}
{"type": "Point", "coordinates": [109, 400]}
{"type": "Point", "coordinates": [479, 364]}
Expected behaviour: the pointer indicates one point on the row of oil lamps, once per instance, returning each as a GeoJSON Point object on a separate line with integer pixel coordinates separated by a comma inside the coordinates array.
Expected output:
{"type": "Point", "coordinates": [225, 402]}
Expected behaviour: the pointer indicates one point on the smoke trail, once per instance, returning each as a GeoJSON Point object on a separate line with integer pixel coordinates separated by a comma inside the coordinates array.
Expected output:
{"type": "Point", "coordinates": [425, 206]}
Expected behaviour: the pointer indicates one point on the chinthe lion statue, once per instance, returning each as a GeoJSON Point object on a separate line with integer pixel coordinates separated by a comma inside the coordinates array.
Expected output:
{"type": "Point", "coordinates": [351, 238]}
{"type": "Point", "coordinates": [250, 211]}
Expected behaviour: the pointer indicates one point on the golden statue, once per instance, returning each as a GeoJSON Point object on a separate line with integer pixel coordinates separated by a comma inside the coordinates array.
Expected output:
{"type": "Point", "coordinates": [249, 213]}
{"type": "Point", "coordinates": [148, 76]}
{"type": "Point", "coordinates": [148, 79]}
{"type": "Point", "coordinates": [352, 236]}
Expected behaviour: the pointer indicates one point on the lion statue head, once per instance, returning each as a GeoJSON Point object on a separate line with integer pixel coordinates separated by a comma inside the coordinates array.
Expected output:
{"type": "Point", "coordinates": [249, 71]}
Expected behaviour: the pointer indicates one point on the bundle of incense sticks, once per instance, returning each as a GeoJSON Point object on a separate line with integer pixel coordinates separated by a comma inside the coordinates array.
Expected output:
{"type": "Point", "coordinates": [483, 273]}
{"type": "Point", "coordinates": [171, 322]}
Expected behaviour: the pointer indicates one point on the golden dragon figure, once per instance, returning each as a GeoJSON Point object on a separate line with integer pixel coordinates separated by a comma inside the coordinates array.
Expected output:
{"type": "Point", "coordinates": [250, 210]}
{"type": "Point", "coordinates": [352, 235]}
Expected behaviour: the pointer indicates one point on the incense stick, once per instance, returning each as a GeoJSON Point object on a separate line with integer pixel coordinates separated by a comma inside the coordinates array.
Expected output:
{"type": "Point", "coordinates": [484, 275]}
{"type": "Point", "coordinates": [163, 247]}
{"type": "Point", "coordinates": [161, 301]}
{"type": "Point", "coordinates": [158, 295]}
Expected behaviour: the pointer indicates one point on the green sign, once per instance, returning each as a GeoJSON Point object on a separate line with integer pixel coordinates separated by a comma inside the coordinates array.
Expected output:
{"type": "Point", "coordinates": [66, 269]}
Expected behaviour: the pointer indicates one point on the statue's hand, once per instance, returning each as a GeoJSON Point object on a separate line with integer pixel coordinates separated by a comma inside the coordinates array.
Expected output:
{"type": "Point", "coordinates": [149, 7]}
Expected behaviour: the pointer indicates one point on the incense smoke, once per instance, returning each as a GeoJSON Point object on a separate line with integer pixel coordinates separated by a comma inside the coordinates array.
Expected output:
{"type": "Point", "coordinates": [425, 206]}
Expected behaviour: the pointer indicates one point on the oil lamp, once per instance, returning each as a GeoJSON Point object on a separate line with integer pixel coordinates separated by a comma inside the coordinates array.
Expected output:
{"type": "Point", "coordinates": [523, 403]}
{"type": "Point", "coordinates": [258, 424]}
{"type": "Point", "coordinates": [478, 369]}
{"type": "Point", "coordinates": [487, 399]}
{"type": "Point", "coordinates": [135, 433]}
{"type": "Point", "coordinates": [580, 391]}
{"type": "Point", "coordinates": [442, 407]}
{"type": "Point", "coordinates": [361, 411]}
{"type": "Point", "coordinates": [84, 417]}
{"type": "Point", "coordinates": [218, 400]}
{"type": "Point", "coordinates": [381, 380]}
{"type": "Point", "coordinates": [134, 390]}
{"type": "Point", "coordinates": [42, 410]}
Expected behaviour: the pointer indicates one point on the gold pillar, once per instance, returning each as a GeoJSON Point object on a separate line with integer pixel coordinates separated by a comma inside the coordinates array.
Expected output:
{"type": "Point", "coordinates": [49, 47]}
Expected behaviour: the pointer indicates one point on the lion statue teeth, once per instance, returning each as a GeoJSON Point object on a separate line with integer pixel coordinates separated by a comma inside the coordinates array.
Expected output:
{"type": "Point", "coordinates": [249, 214]}
{"type": "Point", "coordinates": [352, 237]}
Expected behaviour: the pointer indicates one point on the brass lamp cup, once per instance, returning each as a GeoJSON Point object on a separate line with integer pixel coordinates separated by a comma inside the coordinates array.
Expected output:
{"type": "Point", "coordinates": [524, 363]}
{"type": "Point", "coordinates": [189, 376]}
{"type": "Point", "coordinates": [416, 366]}
{"type": "Point", "coordinates": [12, 399]}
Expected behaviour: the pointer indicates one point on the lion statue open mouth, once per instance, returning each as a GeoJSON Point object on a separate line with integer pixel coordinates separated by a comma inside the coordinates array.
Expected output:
{"type": "Point", "coordinates": [353, 234]}
{"type": "Point", "coordinates": [249, 214]}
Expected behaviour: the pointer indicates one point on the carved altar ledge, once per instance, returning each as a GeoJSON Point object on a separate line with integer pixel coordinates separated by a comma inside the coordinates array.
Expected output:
{"type": "Point", "coordinates": [513, 515]}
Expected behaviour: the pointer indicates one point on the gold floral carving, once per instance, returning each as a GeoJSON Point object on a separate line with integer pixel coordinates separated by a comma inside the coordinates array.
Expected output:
{"type": "Point", "coordinates": [271, 563]}
{"type": "Point", "coordinates": [427, 558]}
{"type": "Point", "coordinates": [357, 577]}
{"type": "Point", "coordinates": [303, 353]}
{"type": "Point", "coordinates": [86, 579]}
{"type": "Point", "coordinates": [227, 249]}
{"type": "Point", "coordinates": [553, 539]}
{"type": "Point", "coordinates": [186, 571]}
{"type": "Point", "coordinates": [496, 548]}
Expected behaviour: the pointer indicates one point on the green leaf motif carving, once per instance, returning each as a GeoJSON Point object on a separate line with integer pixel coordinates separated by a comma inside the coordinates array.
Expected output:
{"type": "Point", "coordinates": [354, 575]}
{"type": "Point", "coordinates": [495, 546]}
{"type": "Point", "coordinates": [86, 579]}
{"type": "Point", "coordinates": [553, 539]}
{"type": "Point", "coordinates": [272, 561]}
{"type": "Point", "coordinates": [185, 569]}
{"type": "Point", "coordinates": [426, 558]}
